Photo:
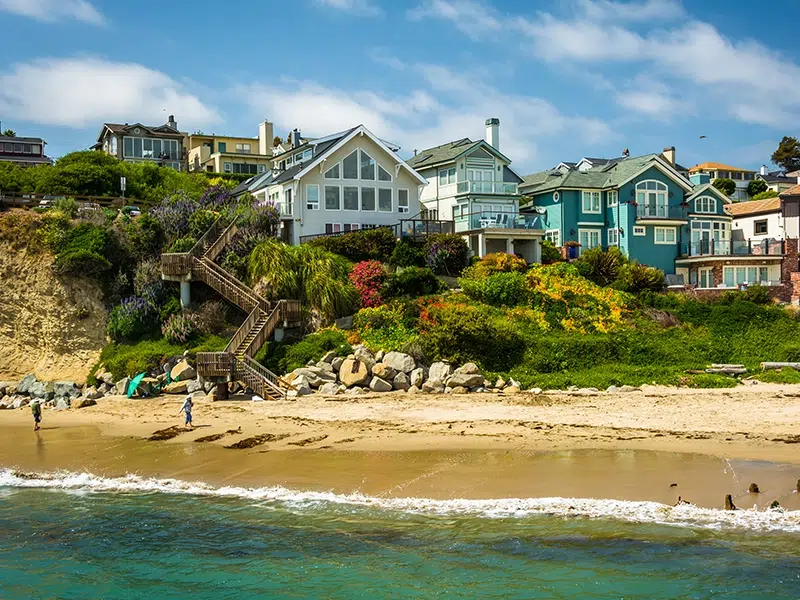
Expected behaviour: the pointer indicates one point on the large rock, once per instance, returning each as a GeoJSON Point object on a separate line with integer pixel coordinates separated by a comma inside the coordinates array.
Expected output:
{"type": "Point", "coordinates": [84, 402]}
{"type": "Point", "coordinates": [301, 388]}
{"type": "Point", "coordinates": [148, 386]}
{"type": "Point", "coordinates": [4, 385]}
{"type": "Point", "coordinates": [469, 369]}
{"type": "Point", "coordinates": [24, 386]}
{"type": "Point", "coordinates": [195, 385]}
{"type": "Point", "coordinates": [459, 389]}
{"type": "Point", "coordinates": [417, 377]}
{"type": "Point", "coordinates": [41, 390]}
{"type": "Point", "coordinates": [336, 363]}
{"type": "Point", "coordinates": [380, 385]}
{"type": "Point", "coordinates": [465, 380]}
{"type": "Point", "coordinates": [354, 372]}
{"type": "Point", "coordinates": [330, 389]}
{"type": "Point", "coordinates": [400, 362]}
{"type": "Point", "coordinates": [182, 371]}
{"type": "Point", "coordinates": [315, 376]}
{"type": "Point", "coordinates": [92, 393]}
{"type": "Point", "coordinates": [122, 386]}
{"type": "Point", "coordinates": [413, 390]}
{"type": "Point", "coordinates": [511, 390]}
{"type": "Point", "coordinates": [329, 356]}
{"type": "Point", "coordinates": [401, 382]}
{"type": "Point", "coordinates": [325, 366]}
{"type": "Point", "coordinates": [440, 371]}
{"type": "Point", "coordinates": [19, 402]}
{"type": "Point", "coordinates": [384, 371]}
{"type": "Point", "coordinates": [176, 387]}
{"type": "Point", "coordinates": [104, 377]}
{"type": "Point", "coordinates": [62, 404]}
{"type": "Point", "coordinates": [365, 356]}
{"type": "Point", "coordinates": [66, 389]}
{"type": "Point", "coordinates": [355, 391]}
{"type": "Point", "coordinates": [433, 386]}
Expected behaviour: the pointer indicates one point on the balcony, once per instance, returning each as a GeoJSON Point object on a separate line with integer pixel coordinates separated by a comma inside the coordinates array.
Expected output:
{"type": "Point", "coordinates": [286, 209]}
{"type": "Point", "coordinates": [487, 187]}
{"type": "Point", "coordinates": [732, 248]}
{"type": "Point", "coordinates": [495, 220]}
{"type": "Point", "coordinates": [660, 212]}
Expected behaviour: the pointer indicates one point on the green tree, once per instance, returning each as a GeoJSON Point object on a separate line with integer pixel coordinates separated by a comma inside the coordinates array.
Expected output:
{"type": "Point", "coordinates": [757, 186]}
{"type": "Point", "coordinates": [10, 133]}
{"type": "Point", "coordinates": [766, 194]}
{"type": "Point", "coordinates": [787, 155]}
{"type": "Point", "coordinates": [727, 186]}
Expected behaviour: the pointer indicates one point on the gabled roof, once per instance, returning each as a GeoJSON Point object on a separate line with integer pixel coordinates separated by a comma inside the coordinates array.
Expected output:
{"type": "Point", "coordinates": [754, 207]}
{"type": "Point", "coordinates": [451, 151]}
{"type": "Point", "coordinates": [253, 184]}
{"type": "Point", "coordinates": [771, 178]}
{"type": "Point", "coordinates": [792, 191]}
{"type": "Point", "coordinates": [706, 188]}
{"type": "Point", "coordinates": [126, 128]}
{"type": "Point", "coordinates": [714, 166]}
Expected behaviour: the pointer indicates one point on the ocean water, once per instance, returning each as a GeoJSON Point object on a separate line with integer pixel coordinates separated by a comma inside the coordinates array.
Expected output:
{"type": "Point", "coordinates": [76, 536]}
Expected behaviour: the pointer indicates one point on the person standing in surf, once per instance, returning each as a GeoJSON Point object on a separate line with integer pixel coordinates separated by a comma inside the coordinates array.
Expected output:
{"type": "Point", "coordinates": [36, 410]}
{"type": "Point", "coordinates": [187, 408]}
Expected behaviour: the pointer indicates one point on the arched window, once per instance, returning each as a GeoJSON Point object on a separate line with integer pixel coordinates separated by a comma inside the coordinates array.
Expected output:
{"type": "Point", "coordinates": [705, 204]}
{"type": "Point", "coordinates": [651, 198]}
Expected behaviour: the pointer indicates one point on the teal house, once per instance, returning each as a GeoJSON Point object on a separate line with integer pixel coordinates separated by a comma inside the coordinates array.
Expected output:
{"type": "Point", "coordinates": [645, 205]}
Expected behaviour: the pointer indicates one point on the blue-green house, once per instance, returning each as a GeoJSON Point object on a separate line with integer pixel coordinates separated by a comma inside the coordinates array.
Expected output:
{"type": "Point", "coordinates": [644, 205]}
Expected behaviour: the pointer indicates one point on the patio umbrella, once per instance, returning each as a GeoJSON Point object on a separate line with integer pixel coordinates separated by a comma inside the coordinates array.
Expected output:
{"type": "Point", "coordinates": [135, 384]}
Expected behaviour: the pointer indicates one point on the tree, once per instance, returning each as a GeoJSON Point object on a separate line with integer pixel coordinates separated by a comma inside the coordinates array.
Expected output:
{"type": "Point", "coordinates": [787, 156]}
{"type": "Point", "coordinates": [10, 133]}
{"type": "Point", "coordinates": [276, 141]}
{"type": "Point", "coordinates": [765, 195]}
{"type": "Point", "coordinates": [756, 186]}
{"type": "Point", "coordinates": [727, 186]}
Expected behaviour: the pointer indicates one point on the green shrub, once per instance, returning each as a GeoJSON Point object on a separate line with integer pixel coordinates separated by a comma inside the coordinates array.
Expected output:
{"type": "Point", "coordinates": [412, 282]}
{"type": "Point", "coordinates": [180, 328]}
{"type": "Point", "coordinates": [183, 244]}
{"type": "Point", "coordinates": [68, 206]}
{"type": "Point", "coordinates": [500, 289]}
{"type": "Point", "coordinates": [765, 195]}
{"type": "Point", "coordinates": [201, 221]}
{"type": "Point", "coordinates": [86, 250]}
{"type": "Point", "coordinates": [408, 253]}
{"type": "Point", "coordinates": [388, 327]}
{"type": "Point", "coordinates": [758, 294]}
{"type": "Point", "coordinates": [312, 348]}
{"type": "Point", "coordinates": [127, 360]}
{"type": "Point", "coordinates": [756, 186]}
{"type": "Point", "coordinates": [52, 232]}
{"type": "Point", "coordinates": [550, 253]}
{"type": "Point", "coordinates": [132, 319]}
{"type": "Point", "coordinates": [785, 376]}
{"type": "Point", "coordinates": [601, 266]}
{"type": "Point", "coordinates": [145, 236]}
{"type": "Point", "coordinates": [446, 254]}
{"type": "Point", "coordinates": [635, 278]}
{"type": "Point", "coordinates": [212, 317]}
{"type": "Point", "coordinates": [358, 246]}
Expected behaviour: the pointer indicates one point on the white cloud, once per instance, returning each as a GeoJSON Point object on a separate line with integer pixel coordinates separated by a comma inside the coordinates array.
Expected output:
{"type": "Point", "coordinates": [608, 10]}
{"type": "Point", "coordinates": [364, 8]}
{"type": "Point", "coordinates": [54, 10]}
{"type": "Point", "coordinates": [652, 99]}
{"type": "Point", "coordinates": [472, 18]}
{"type": "Point", "coordinates": [81, 92]}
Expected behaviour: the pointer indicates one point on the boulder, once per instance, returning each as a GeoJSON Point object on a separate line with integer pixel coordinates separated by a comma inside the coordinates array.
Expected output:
{"type": "Point", "coordinates": [380, 385]}
{"type": "Point", "coordinates": [329, 389]}
{"type": "Point", "coordinates": [195, 385]}
{"type": "Point", "coordinates": [62, 404]}
{"type": "Point", "coordinates": [208, 386]}
{"type": "Point", "coordinates": [466, 380]}
{"type": "Point", "coordinates": [327, 367]}
{"type": "Point", "coordinates": [384, 371]}
{"type": "Point", "coordinates": [365, 356]}
{"type": "Point", "coordinates": [468, 369]}
{"type": "Point", "coordinates": [315, 376]}
{"type": "Point", "coordinates": [122, 386]}
{"type": "Point", "coordinates": [440, 371]}
{"type": "Point", "coordinates": [328, 357]}
{"type": "Point", "coordinates": [354, 372]}
{"type": "Point", "coordinates": [19, 402]}
{"type": "Point", "coordinates": [176, 387]}
{"type": "Point", "coordinates": [459, 389]}
{"type": "Point", "coordinates": [612, 389]}
{"type": "Point", "coordinates": [400, 362]}
{"type": "Point", "coordinates": [511, 390]}
{"type": "Point", "coordinates": [104, 388]}
{"type": "Point", "coordinates": [148, 386]}
{"type": "Point", "coordinates": [500, 383]}
{"type": "Point", "coordinates": [379, 356]}
{"type": "Point", "coordinates": [92, 393]}
{"type": "Point", "coordinates": [401, 382]}
{"type": "Point", "coordinates": [84, 402]}
{"type": "Point", "coordinates": [355, 391]}
{"type": "Point", "coordinates": [5, 402]}
{"type": "Point", "coordinates": [11, 389]}
{"type": "Point", "coordinates": [104, 377]}
{"type": "Point", "coordinates": [433, 386]}
{"type": "Point", "coordinates": [336, 363]}
{"type": "Point", "coordinates": [66, 389]}
{"type": "Point", "coordinates": [182, 371]}
{"type": "Point", "coordinates": [302, 387]}
{"type": "Point", "coordinates": [487, 385]}
{"type": "Point", "coordinates": [41, 390]}
{"type": "Point", "coordinates": [417, 378]}
{"type": "Point", "coordinates": [26, 383]}
{"type": "Point", "coordinates": [536, 391]}
{"type": "Point", "coordinates": [4, 385]}
{"type": "Point", "coordinates": [413, 389]}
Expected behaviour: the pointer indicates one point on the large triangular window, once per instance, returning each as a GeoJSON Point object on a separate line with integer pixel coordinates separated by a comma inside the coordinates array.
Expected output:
{"type": "Point", "coordinates": [383, 174]}
{"type": "Point", "coordinates": [367, 167]}
{"type": "Point", "coordinates": [333, 172]}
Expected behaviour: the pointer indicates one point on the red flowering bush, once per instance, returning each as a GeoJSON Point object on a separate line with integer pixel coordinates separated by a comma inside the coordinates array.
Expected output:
{"type": "Point", "coordinates": [368, 278]}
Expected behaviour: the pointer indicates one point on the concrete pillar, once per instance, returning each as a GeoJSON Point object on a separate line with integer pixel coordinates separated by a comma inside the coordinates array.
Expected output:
{"type": "Point", "coordinates": [509, 246]}
{"type": "Point", "coordinates": [279, 334]}
{"type": "Point", "coordinates": [481, 245]}
{"type": "Point", "coordinates": [186, 293]}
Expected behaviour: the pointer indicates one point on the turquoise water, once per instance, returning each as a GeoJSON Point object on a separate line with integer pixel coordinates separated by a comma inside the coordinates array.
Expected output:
{"type": "Point", "coordinates": [76, 542]}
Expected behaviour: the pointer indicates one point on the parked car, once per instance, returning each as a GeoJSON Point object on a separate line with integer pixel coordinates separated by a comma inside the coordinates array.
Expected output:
{"type": "Point", "coordinates": [130, 211]}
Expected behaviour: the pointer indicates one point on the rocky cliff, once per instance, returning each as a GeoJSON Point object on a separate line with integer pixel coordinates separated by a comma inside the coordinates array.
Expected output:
{"type": "Point", "coordinates": [51, 326]}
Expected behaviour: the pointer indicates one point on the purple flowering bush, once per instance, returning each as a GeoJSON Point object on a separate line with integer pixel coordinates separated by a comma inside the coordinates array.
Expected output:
{"type": "Point", "coordinates": [446, 254]}
{"type": "Point", "coordinates": [180, 328]}
{"type": "Point", "coordinates": [174, 213]}
{"type": "Point", "coordinates": [132, 319]}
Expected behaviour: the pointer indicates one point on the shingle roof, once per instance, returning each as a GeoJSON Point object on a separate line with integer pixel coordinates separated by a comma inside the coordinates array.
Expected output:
{"type": "Point", "coordinates": [792, 191]}
{"type": "Point", "coordinates": [753, 207]}
{"type": "Point", "coordinates": [124, 128]}
{"type": "Point", "coordinates": [718, 167]}
{"type": "Point", "coordinates": [440, 154]}
{"type": "Point", "coordinates": [23, 140]}
{"type": "Point", "coordinates": [770, 178]}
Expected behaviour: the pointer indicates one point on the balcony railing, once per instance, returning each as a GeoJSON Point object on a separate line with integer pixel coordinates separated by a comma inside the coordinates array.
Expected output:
{"type": "Point", "coordinates": [661, 211]}
{"type": "Point", "coordinates": [497, 220]}
{"type": "Point", "coordinates": [487, 187]}
{"type": "Point", "coordinates": [733, 248]}
{"type": "Point", "coordinates": [286, 209]}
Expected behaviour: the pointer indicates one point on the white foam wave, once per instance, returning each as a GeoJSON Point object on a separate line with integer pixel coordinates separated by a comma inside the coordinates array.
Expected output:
{"type": "Point", "coordinates": [631, 511]}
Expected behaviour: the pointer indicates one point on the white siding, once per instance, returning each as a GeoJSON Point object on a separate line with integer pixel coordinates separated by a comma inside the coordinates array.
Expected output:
{"type": "Point", "coordinates": [746, 225]}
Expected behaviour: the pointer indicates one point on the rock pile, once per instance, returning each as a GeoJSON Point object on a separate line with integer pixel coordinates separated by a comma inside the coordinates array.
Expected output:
{"type": "Point", "coordinates": [362, 372]}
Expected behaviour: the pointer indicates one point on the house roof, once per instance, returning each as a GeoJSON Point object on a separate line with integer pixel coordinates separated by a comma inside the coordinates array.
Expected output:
{"type": "Point", "coordinates": [715, 166]}
{"type": "Point", "coordinates": [253, 184]}
{"type": "Point", "coordinates": [704, 189]}
{"type": "Point", "coordinates": [770, 178]}
{"type": "Point", "coordinates": [754, 207]}
{"type": "Point", "coordinates": [22, 140]}
{"type": "Point", "coordinates": [127, 128]}
{"type": "Point", "coordinates": [792, 191]}
{"type": "Point", "coordinates": [442, 153]}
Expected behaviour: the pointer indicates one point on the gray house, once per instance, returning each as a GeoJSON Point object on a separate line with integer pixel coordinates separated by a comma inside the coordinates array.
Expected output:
{"type": "Point", "coordinates": [163, 145]}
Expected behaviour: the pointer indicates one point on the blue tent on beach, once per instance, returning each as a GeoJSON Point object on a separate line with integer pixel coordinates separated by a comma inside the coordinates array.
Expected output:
{"type": "Point", "coordinates": [134, 384]}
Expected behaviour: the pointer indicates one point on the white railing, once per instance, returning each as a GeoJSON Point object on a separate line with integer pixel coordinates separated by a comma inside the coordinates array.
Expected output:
{"type": "Point", "coordinates": [487, 187]}
{"type": "Point", "coordinates": [286, 209]}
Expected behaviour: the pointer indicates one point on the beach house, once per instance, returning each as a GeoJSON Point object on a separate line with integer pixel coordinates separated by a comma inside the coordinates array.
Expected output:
{"type": "Point", "coordinates": [23, 151]}
{"type": "Point", "coordinates": [162, 145]}
{"type": "Point", "coordinates": [229, 154]}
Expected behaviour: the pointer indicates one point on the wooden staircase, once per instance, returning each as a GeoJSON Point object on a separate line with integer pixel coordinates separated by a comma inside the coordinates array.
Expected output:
{"type": "Point", "coordinates": [236, 362]}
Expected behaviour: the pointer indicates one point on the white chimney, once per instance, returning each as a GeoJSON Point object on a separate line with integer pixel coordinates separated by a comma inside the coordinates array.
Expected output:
{"type": "Point", "coordinates": [265, 136]}
{"type": "Point", "coordinates": [493, 133]}
{"type": "Point", "coordinates": [763, 169]}
{"type": "Point", "coordinates": [669, 154]}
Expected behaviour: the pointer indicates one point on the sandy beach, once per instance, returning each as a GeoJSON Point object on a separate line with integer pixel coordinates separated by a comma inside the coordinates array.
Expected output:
{"type": "Point", "coordinates": [654, 444]}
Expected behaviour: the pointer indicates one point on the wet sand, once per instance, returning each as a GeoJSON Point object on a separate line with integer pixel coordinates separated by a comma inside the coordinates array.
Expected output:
{"type": "Point", "coordinates": [621, 446]}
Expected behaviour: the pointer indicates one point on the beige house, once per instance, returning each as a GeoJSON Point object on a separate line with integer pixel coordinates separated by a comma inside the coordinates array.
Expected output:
{"type": "Point", "coordinates": [162, 145]}
{"type": "Point", "coordinates": [343, 182]}
{"type": "Point", "coordinates": [228, 154]}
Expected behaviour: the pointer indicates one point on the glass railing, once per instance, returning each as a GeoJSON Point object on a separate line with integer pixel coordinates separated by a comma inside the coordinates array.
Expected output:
{"type": "Point", "coordinates": [659, 211]}
{"type": "Point", "coordinates": [487, 187]}
{"type": "Point", "coordinates": [497, 220]}
{"type": "Point", "coordinates": [733, 248]}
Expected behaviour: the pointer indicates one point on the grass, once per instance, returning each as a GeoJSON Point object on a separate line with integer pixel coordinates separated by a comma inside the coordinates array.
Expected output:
{"type": "Point", "coordinates": [282, 357]}
{"type": "Point", "coordinates": [784, 375]}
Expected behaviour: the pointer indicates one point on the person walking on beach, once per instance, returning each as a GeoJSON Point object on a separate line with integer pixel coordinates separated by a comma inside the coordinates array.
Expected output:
{"type": "Point", "coordinates": [36, 409]}
{"type": "Point", "coordinates": [187, 408]}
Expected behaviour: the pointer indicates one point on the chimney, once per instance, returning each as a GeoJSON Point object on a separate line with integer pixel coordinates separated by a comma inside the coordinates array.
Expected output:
{"type": "Point", "coordinates": [493, 133]}
{"type": "Point", "coordinates": [669, 154]}
{"type": "Point", "coordinates": [295, 138]}
{"type": "Point", "coordinates": [763, 170]}
{"type": "Point", "coordinates": [266, 134]}
{"type": "Point", "coordinates": [172, 123]}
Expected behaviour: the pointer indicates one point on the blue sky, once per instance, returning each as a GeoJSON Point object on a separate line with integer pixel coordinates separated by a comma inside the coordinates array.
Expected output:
{"type": "Point", "coordinates": [567, 78]}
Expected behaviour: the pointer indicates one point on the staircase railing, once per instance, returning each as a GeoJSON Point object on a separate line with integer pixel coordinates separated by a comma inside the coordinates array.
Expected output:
{"type": "Point", "coordinates": [228, 286]}
{"type": "Point", "coordinates": [224, 238]}
{"type": "Point", "coordinates": [241, 334]}
{"type": "Point", "coordinates": [208, 238]}
{"type": "Point", "coordinates": [273, 381]}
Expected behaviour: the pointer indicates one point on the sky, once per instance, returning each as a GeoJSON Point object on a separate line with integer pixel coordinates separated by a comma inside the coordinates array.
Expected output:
{"type": "Point", "coordinates": [566, 78]}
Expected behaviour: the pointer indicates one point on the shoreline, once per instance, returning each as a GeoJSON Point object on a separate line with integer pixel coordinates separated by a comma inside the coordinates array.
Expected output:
{"type": "Point", "coordinates": [631, 446]}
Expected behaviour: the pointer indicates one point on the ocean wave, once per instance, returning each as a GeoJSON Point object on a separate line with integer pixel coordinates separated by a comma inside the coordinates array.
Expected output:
{"type": "Point", "coordinates": [685, 515]}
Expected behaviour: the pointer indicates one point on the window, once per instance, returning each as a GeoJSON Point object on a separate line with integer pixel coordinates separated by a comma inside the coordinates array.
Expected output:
{"type": "Point", "coordinates": [760, 227]}
{"type": "Point", "coordinates": [262, 169]}
{"type": "Point", "coordinates": [333, 227]}
{"type": "Point", "coordinates": [385, 200]}
{"type": "Point", "coordinates": [733, 276]}
{"type": "Point", "coordinates": [368, 199]}
{"type": "Point", "coordinates": [554, 236]}
{"type": "Point", "coordinates": [222, 146]}
{"type": "Point", "coordinates": [706, 278]}
{"type": "Point", "coordinates": [350, 166]}
{"type": "Point", "coordinates": [350, 227]}
{"type": "Point", "coordinates": [588, 238]}
{"type": "Point", "coordinates": [227, 167]}
{"type": "Point", "coordinates": [447, 176]}
{"type": "Point", "coordinates": [18, 148]}
{"type": "Point", "coordinates": [612, 198]}
{"type": "Point", "coordinates": [350, 198]}
{"type": "Point", "coordinates": [383, 174]}
{"type": "Point", "coordinates": [651, 198]}
{"type": "Point", "coordinates": [639, 231]}
{"type": "Point", "coordinates": [312, 196]}
{"type": "Point", "coordinates": [705, 204]}
{"type": "Point", "coordinates": [301, 156]}
{"type": "Point", "coordinates": [591, 202]}
{"type": "Point", "coordinates": [243, 148]}
{"type": "Point", "coordinates": [26, 148]}
{"type": "Point", "coordinates": [367, 167]}
{"type": "Point", "coordinates": [9, 147]}
{"type": "Point", "coordinates": [711, 237]}
{"type": "Point", "coordinates": [150, 148]}
{"type": "Point", "coordinates": [333, 172]}
{"type": "Point", "coordinates": [332, 199]}
{"type": "Point", "coordinates": [665, 235]}
{"type": "Point", "coordinates": [402, 201]}
{"type": "Point", "coordinates": [287, 202]}
{"type": "Point", "coordinates": [613, 237]}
